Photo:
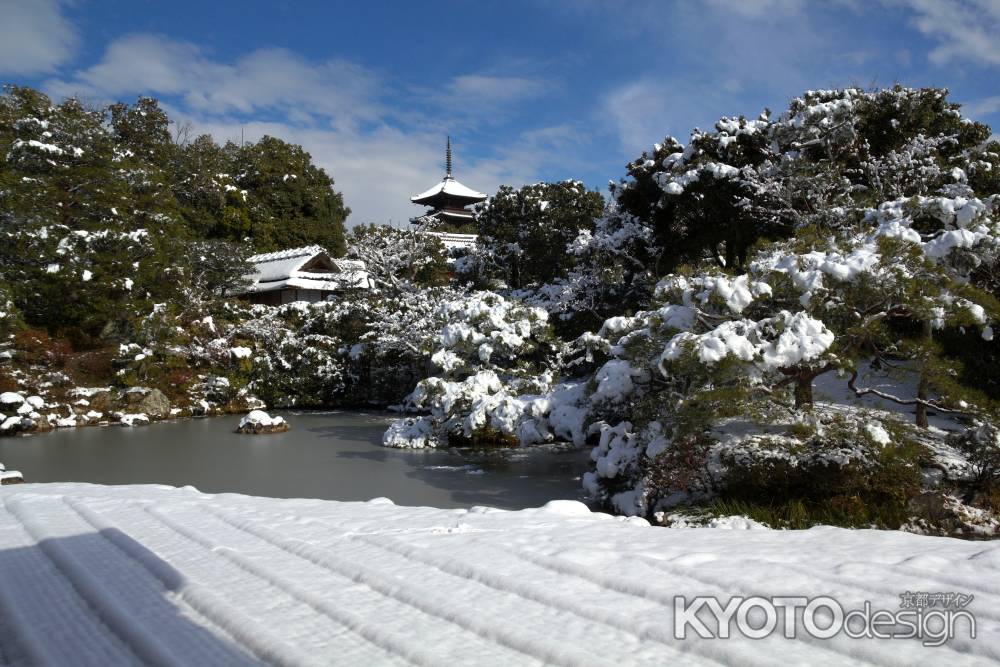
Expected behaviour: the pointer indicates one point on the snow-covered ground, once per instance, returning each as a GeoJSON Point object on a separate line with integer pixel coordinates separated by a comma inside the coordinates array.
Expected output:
{"type": "Point", "coordinates": [93, 575]}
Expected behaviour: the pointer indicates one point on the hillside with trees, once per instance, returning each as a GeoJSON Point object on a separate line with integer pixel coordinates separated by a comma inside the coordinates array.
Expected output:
{"type": "Point", "coordinates": [104, 214]}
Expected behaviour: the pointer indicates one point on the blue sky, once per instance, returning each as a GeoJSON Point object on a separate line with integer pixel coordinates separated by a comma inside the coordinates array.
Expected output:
{"type": "Point", "coordinates": [529, 89]}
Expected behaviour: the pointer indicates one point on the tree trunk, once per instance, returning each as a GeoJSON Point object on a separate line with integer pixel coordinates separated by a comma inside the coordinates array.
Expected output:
{"type": "Point", "coordinates": [803, 390]}
{"type": "Point", "coordinates": [921, 407]}
{"type": "Point", "coordinates": [923, 386]}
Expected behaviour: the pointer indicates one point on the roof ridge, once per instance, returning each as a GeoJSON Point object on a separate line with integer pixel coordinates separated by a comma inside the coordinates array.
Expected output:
{"type": "Point", "coordinates": [286, 254]}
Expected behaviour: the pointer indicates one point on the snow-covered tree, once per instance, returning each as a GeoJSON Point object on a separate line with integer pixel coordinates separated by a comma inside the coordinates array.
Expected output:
{"type": "Point", "coordinates": [523, 233]}
{"type": "Point", "coordinates": [841, 243]}
{"type": "Point", "coordinates": [394, 257]}
{"type": "Point", "coordinates": [488, 350]}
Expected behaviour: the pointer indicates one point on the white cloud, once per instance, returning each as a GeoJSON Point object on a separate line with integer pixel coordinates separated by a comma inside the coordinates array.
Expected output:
{"type": "Point", "coordinates": [484, 90]}
{"type": "Point", "coordinates": [474, 100]}
{"type": "Point", "coordinates": [965, 30]}
{"type": "Point", "coordinates": [34, 37]}
{"type": "Point", "coordinates": [640, 113]}
{"type": "Point", "coordinates": [976, 109]}
{"type": "Point", "coordinates": [266, 79]}
{"type": "Point", "coordinates": [759, 8]}
{"type": "Point", "coordinates": [729, 57]}
{"type": "Point", "coordinates": [377, 154]}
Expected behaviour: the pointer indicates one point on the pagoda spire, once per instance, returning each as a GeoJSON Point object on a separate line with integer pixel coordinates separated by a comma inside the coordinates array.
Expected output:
{"type": "Point", "coordinates": [447, 159]}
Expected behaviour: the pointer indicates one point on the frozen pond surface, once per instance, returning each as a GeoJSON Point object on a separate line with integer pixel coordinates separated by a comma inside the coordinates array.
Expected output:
{"type": "Point", "coordinates": [330, 455]}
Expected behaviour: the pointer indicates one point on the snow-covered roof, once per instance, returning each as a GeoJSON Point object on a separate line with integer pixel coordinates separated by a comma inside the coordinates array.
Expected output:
{"type": "Point", "coordinates": [350, 264]}
{"type": "Point", "coordinates": [451, 241]}
{"type": "Point", "coordinates": [326, 282]}
{"type": "Point", "coordinates": [449, 186]}
{"type": "Point", "coordinates": [288, 269]}
{"type": "Point", "coordinates": [281, 264]}
{"type": "Point", "coordinates": [108, 575]}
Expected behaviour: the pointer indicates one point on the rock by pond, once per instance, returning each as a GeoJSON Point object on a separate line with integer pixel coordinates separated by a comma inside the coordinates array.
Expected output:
{"type": "Point", "coordinates": [258, 422]}
{"type": "Point", "coordinates": [10, 476]}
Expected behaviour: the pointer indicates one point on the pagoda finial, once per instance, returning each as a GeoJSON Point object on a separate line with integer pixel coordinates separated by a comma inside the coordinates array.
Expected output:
{"type": "Point", "coordinates": [447, 159]}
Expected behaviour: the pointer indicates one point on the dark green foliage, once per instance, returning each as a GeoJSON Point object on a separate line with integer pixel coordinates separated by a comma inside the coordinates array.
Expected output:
{"type": "Point", "coordinates": [269, 192]}
{"type": "Point", "coordinates": [212, 205]}
{"type": "Point", "coordinates": [103, 215]}
{"type": "Point", "coordinates": [893, 117]}
{"type": "Point", "coordinates": [984, 177]}
{"type": "Point", "coordinates": [799, 494]}
{"type": "Point", "coordinates": [291, 202]}
{"type": "Point", "coordinates": [523, 233]}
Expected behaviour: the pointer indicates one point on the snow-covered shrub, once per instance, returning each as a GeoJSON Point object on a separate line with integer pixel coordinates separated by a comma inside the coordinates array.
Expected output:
{"type": "Point", "coordinates": [491, 355]}
{"type": "Point", "coordinates": [389, 336]}
{"type": "Point", "coordinates": [981, 444]}
{"type": "Point", "coordinates": [294, 363]}
{"type": "Point", "coordinates": [847, 468]}
{"type": "Point", "coordinates": [397, 258]}
{"type": "Point", "coordinates": [717, 346]}
{"type": "Point", "coordinates": [614, 269]}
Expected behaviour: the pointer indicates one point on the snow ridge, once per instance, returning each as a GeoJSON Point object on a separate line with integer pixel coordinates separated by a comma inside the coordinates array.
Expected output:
{"type": "Point", "coordinates": [126, 575]}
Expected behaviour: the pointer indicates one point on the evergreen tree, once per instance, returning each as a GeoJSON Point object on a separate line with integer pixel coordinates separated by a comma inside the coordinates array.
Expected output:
{"type": "Point", "coordinates": [102, 214]}
{"type": "Point", "coordinates": [290, 201]}
{"type": "Point", "coordinates": [212, 205]}
{"type": "Point", "coordinates": [524, 234]}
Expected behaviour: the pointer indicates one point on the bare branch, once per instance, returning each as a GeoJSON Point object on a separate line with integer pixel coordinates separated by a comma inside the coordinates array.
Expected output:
{"type": "Point", "coordinates": [901, 401]}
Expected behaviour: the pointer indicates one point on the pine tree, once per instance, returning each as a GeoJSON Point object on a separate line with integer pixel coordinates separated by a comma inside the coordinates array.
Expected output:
{"type": "Point", "coordinates": [524, 234]}
{"type": "Point", "coordinates": [290, 201]}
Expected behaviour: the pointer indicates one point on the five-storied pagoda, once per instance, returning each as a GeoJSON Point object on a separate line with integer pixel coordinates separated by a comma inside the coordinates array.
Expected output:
{"type": "Point", "coordinates": [448, 201]}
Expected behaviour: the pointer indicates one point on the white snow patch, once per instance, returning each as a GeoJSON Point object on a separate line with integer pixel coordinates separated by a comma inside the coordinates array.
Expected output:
{"type": "Point", "coordinates": [487, 586]}
{"type": "Point", "coordinates": [11, 398]}
{"type": "Point", "coordinates": [260, 418]}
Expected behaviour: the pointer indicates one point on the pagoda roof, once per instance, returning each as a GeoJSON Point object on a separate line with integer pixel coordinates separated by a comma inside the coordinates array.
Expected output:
{"type": "Point", "coordinates": [449, 188]}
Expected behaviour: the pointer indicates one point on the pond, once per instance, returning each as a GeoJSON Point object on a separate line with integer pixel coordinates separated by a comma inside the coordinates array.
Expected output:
{"type": "Point", "coordinates": [330, 455]}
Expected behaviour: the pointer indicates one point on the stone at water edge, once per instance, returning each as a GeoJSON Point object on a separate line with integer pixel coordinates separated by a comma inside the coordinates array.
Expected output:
{"type": "Point", "coordinates": [101, 401]}
{"type": "Point", "coordinates": [16, 424]}
{"type": "Point", "coordinates": [10, 476]}
{"type": "Point", "coordinates": [147, 401]}
{"type": "Point", "coordinates": [258, 422]}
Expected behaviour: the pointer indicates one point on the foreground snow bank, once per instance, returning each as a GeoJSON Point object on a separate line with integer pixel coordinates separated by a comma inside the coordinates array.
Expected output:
{"type": "Point", "coordinates": [110, 575]}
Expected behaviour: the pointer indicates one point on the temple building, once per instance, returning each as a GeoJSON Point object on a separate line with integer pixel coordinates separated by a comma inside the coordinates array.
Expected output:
{"type": "Point", "coordinates": [302, 274]}
{"type": "Point", "coordinates": [447, 201]}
